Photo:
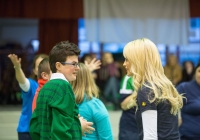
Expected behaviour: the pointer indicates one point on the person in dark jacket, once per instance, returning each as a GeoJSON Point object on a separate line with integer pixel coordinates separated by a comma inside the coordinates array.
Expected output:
{"type": "Point", "coordinates": [190, 113]}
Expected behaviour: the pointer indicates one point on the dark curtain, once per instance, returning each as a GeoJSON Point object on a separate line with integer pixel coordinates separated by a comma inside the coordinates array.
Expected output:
{"type": "Point", "coordinates": [194, 8]}
{"type": "Point", "coordinates": [11, 8]}
{"type": "Point", "coordinates": [53, 31]}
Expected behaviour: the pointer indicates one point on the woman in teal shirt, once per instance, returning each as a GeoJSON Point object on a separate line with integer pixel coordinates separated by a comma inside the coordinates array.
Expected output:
{"type": "Point", "coordinates": [90, 107]}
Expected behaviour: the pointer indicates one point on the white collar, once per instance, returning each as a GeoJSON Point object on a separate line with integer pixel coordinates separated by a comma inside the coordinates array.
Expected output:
{"type": "Point", "coordinates": [58, 76]}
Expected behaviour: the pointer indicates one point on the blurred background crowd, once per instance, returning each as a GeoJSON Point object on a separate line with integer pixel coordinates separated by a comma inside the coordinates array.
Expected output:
{"type": "Point", "coordinates": [108, 77]}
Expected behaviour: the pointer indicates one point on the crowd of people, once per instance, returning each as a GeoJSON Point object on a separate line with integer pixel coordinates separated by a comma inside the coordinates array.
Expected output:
{"type": "Point", "coordinates": [62, 98]}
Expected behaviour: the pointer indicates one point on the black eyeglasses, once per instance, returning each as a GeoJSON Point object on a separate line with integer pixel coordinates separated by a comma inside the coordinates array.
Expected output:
{"type": "Point", "coordinates": [73, 64]}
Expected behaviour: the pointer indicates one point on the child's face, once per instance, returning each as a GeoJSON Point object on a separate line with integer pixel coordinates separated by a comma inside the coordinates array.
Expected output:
{"type": "Point", "coordinates": [127, 66]}
{"type": "Point", "coordinates": [108, 58]}
{"type": "Point", "coordinates": [68, 70]}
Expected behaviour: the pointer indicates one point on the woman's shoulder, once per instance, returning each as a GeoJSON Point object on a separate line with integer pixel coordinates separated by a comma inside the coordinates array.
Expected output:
{"type": "Point", "coordinates": [146, 91]}
{"type": "Point", "coordinates": [96, 102]}
{"type": "Point", "coordinates": [91, 102]}
{"type": "Point", "coordinates": [146, 87]}
{"type": "Point", "coordinates": [95, 106]}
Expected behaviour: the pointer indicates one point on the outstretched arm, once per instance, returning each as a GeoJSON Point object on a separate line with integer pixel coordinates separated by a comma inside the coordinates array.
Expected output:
{"type": "Point", "coordinates": [17, 66]}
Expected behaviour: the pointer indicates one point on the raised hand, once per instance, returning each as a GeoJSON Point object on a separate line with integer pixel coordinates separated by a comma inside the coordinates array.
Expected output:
{"type": "Point", "coordinates": [15, 60]}
{"type": "Point", "coordinates": [93, 65]}
{"type": "Point", "coordinates": [20, 76]}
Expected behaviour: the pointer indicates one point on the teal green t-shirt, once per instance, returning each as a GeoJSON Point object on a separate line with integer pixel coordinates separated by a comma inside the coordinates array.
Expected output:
{"type": "Point", "coordinates": [95, 111]}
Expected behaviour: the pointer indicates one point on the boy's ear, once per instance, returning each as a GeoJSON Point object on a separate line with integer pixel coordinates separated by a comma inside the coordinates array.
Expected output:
{"type": "Point", "coordinates": [44, 75]}
{"type": "Point", "coordinates": [58, 66]}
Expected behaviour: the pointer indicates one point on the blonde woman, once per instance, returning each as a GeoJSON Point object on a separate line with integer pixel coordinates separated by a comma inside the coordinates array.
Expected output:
{"type": "Point", "coordinates": [90, 107]}
{"type": "Point", "coordinates": [156, 99]}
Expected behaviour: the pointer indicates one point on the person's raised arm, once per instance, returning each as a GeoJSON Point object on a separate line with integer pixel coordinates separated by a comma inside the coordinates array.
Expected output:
{"type": "Point", "coordinates": [20, 76]}
{"type": "Point", "coordinates": [17, 66]}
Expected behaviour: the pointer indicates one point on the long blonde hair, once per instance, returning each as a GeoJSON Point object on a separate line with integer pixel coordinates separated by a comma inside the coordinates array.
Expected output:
{"type": "Point", "coordinates": [146, 66]}
{"type": "Point", "coordinates": [84, 84]}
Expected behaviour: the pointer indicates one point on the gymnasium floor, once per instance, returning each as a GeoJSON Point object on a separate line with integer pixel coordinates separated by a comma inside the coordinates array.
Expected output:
{"type": "Point", "coordinates": [9, 116]}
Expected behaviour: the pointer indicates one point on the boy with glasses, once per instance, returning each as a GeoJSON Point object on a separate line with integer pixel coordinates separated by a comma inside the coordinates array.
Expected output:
{"type": "Point", "coordinates": [56, 114]}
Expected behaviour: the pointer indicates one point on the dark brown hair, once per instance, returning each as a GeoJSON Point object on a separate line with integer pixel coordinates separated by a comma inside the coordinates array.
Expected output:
{"type": "Point", "coordinates": [60, 52]}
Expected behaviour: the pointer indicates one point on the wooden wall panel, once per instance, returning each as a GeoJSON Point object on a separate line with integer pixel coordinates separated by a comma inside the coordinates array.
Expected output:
{"type": "Point", "coordinates": [34, 8]}
{"type": "Point", "coordinates": [11, 8]}
{"type": "Point", "coordinates": [194, 8]}
{"type": "Point", "coordinates": [54, 31]}
{"type": "Point", "coordinates": [48, 9]}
